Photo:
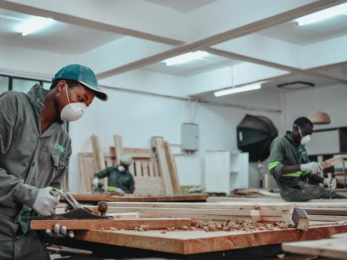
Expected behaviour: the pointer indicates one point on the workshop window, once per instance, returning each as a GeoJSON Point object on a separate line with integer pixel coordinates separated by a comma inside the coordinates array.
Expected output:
{"type": "Point", "coordinates": [4, 84]}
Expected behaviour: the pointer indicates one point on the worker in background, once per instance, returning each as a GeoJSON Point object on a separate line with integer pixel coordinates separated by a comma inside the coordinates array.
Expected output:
{"type": "Point", "coordinates": [120, 179]}
{"type": "Point", "coordinates": [35, 150]}
{"type": "Point", "coordinates": [291, 168]}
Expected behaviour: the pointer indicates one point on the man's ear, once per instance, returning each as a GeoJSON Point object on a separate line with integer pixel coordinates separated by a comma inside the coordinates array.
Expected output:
{"type": "Point", "coordinates": [60, 85]}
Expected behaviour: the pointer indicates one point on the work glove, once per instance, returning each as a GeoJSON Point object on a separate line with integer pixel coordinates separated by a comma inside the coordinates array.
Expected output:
{"type": "Point", "coordinates": [58, 232]}
{"type": "Point", "coordinates": [95, 181]}
{"type": "Point", "coordinates": [331, 183]}
{"type": "Point", "coordinates": [313, 167]}
{"type": "Point", "coordinates": [46, 201]}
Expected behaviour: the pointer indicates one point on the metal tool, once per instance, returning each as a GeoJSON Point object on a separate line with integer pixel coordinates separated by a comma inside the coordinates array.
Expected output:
{"type": "Point", "coordinates": [77, 211]}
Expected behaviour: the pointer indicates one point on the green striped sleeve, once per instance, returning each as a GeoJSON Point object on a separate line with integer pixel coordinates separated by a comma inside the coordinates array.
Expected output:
{"type": "Point", "coordinates": [111, 188]}
{"type": "Point", "coordinates": [294, 175]}
{"type": "Point", "coordinates": [273, 164]}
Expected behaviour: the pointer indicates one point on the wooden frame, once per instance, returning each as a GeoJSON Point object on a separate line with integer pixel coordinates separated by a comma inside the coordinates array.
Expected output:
{"type": "Point", "coordinates": [155, 174]}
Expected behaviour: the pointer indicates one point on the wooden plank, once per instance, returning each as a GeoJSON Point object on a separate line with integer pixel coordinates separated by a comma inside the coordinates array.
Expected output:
{"type": "Point", "coordinates": [151, 169]}
{"type": "Point", "coordinates": [203, 214]}
{"type": "Point", "coordinates": [332, 248]}
{"type": "Point", "coordinates": [136, 151]}
{"type": "Point", "coordinates": [118, 144]}
{"type": "Point", "coordinates": [265, 209]}
{"type": "Point", "coordinates": [85, 179]}
{"type": "Point", "coordinates": [196, 242]}
{"type": "Point", "coordinates": [163, 165]}
{"type": "Point", "coordinates": [126, 224]}
{"type": "Point", "coordinates": [138, 169]}
{"type": "Point", "coordinates": [328, 218]}
{"type": "Point", "coordinates": [96, 197]}
{"type": "Point", "coordinates": [172, 169]}
{"type": "Point", "coordinates": [156, 168]}
{"type": "Point", "coordinates": [326, 211]}
{"type": "Point", "coordinates": [144, 167]}
{"type": "Point", "coordinates": [98, 155]}
{"type": "Point", "coordinates": [331, 162]}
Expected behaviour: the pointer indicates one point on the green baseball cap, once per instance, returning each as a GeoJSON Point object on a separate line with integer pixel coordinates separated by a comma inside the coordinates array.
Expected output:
{"type": "Point", "coordinates": [83, 75]}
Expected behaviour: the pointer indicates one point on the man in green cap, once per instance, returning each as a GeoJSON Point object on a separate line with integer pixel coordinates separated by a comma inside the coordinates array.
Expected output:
{"type": "Point", "coordinates": [120, 179]}
{"type": "Point", "coordinates": [35, 150]}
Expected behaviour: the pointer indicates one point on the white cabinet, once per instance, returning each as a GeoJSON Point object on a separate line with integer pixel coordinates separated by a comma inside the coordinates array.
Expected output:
{"type": "Point", "coordinates": [226, 171]}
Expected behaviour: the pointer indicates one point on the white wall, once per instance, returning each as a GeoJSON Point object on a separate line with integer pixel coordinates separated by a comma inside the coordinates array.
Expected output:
{"type": "Point", "coordinates": [138, 117]}
{"type": "Point", "coordinates": [330, 99]}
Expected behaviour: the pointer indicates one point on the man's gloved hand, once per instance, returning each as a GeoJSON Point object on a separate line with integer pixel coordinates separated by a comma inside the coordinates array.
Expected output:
{"type": "Point", "coordinates": [46, 201]}
{"type": "Point", "coordinates": [95, 181]}
{"type": "Point", "coordinates": [313, 167]}
{"type": "Point", "coordinates": [331, 183]}
{"type": "Point", "coordinates": [59, 232]}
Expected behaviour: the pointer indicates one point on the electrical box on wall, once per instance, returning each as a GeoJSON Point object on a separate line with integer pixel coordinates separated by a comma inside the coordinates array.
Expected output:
{"type": "Point", "coordinates": [190, 137]}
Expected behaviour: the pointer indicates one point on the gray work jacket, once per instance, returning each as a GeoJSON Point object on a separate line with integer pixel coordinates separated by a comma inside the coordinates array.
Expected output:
{"type": "Point", "coordinates": [29, 160]}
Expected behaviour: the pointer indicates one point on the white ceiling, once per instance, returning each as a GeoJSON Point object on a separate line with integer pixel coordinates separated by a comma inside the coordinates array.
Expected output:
{"type": "Point", "coordinates": [59, 37]}
{"type": "Point", "coordinates": [208, 63]}
{"type": "Point", "coordinates": [182, 5]}
{"type": "Point", "coordinates": [148, 37]}
{"type": "Point", "coordinates": [303, 35]}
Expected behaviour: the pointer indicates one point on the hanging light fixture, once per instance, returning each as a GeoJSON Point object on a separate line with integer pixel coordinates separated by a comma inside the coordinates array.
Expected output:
{"type": "Point", "coordinates": [319, 117]}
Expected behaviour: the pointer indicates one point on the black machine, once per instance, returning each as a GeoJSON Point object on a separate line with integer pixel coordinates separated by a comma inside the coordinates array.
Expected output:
{"type": "Point", "coordinates": [254, 136]}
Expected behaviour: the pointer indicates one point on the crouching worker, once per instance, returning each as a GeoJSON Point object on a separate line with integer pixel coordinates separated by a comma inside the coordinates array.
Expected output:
{"type": "Point", "coordinates": [120, 179]}
{"type": "Point", "coordinates": [297, 177]}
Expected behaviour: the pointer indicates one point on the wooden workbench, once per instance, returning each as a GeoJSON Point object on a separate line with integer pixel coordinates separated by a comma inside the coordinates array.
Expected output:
{"type": "Point", "coordinates": [197, 242]}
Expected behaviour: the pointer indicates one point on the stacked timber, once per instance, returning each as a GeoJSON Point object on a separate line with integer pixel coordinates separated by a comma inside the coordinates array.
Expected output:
{"type": "Point", "coordinates": [206, 211]}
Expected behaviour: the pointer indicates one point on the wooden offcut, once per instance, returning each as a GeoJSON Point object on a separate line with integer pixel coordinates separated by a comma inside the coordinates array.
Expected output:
{"type": "Point", "coordinates": [99, 159]}
{"type": "Point", "coordinates": [301, 219]}
{"type": "Point", "coordinates": [126, 224]}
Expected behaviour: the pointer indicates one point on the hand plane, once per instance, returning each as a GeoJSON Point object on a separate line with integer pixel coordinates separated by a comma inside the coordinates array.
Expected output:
{"type": "Point", "coordinates": [76, 211]}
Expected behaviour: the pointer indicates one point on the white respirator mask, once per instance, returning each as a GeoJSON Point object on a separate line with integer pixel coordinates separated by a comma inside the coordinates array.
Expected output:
{"type": "Point", "coordinates": [121, 168]}
{"type": "Point", "coordinates": [304, 139]}
{"type": "Point", "coordinates": [72, 111]}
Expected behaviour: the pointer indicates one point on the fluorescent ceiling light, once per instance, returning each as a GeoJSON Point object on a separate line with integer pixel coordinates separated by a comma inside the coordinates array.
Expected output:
{"type": "Point", "coordinates": [186, 57]}
{"type": "Point", "coordinates": [237, 90]}
{"type": "Point", "coordinates": [33, 25]}
{"type": "Point", "coordinates": [322, 15]}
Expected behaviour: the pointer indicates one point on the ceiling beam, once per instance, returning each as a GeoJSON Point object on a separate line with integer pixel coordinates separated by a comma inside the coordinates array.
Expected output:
{"type": "Point", "coordinates": [273, 64]}
{"type": "Point", "coordinates": [119, 52]}
{"type": "Point", "coordinates": [111, 16]}
{"type": "Point", "coordinates": [244, 73]}
{"type": "Point", "coordinates": [252, 27]}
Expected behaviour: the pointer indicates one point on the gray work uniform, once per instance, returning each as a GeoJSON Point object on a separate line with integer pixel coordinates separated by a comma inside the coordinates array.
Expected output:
{"type": "Point", "coordinates": [29, 160]}
{"type": "Point", "coordinates": [293, 186]}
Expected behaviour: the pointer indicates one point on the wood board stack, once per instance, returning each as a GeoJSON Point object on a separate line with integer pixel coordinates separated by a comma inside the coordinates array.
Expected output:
{"type": "Point", "coordinates": [155, 173]}
{"type": "Point", "coordinates": [242, 233]}
{"type": "Point", "coordinates": [206, 211]}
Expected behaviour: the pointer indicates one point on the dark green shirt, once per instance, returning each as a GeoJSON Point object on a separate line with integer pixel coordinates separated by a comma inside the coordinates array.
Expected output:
{"type": "Point", "coordinates": [116, 179]}
{"type": "Point", "coordinates": [284, 151]}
